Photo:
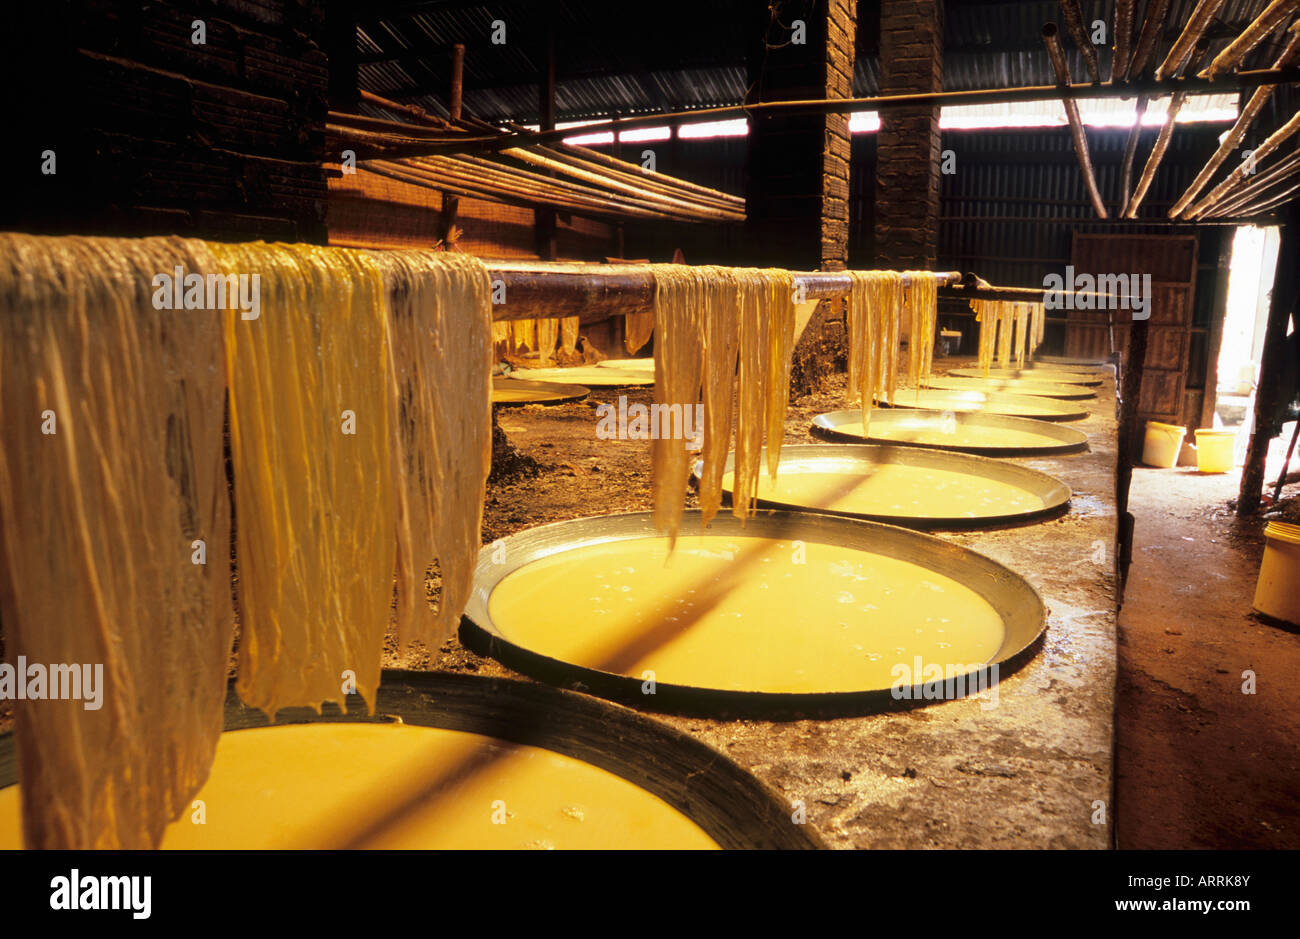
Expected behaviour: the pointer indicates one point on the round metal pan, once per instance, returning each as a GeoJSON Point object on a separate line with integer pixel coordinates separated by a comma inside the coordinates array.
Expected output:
{"type": "Point", "coordinates": [589, 375]}
{"type": "Point", "coordinates": [933, 426]}
{"type": "Point", "coordinates": [642, 365]}
{"type": "Point", "coordinates": [1031, 374]}
{"type": "Point", "coordinates": [1020, 386]}
{"type": "Point", "coordinates": [1022, 610]}
{"type": "Point", "coordinates": [861, 458]}
{"type": "Point", "coordinates": [731, 805]}
{"type": "Point", "coordinates": [988, 402]}
{"type": "Point", "coordinates": [514, 392]}
{"type": "Point", "coordinates": [1071, 364]}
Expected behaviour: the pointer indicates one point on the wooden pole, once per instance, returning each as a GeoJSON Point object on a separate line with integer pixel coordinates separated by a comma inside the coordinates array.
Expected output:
{"type": "Point", "coordinates": [451, 203]}
{"type": "Point", "coordinates": [1062, 70]}
{"type": "Point", "coordinates": [1268, 394]}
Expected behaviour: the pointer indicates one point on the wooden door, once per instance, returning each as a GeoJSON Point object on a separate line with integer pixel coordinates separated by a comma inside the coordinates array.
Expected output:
{"type": "Point", "coordinates": [1171, 262]}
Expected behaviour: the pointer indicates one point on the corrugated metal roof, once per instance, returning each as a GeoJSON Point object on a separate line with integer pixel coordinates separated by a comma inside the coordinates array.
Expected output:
{"type": "Point", "coordinates": [673, 55]}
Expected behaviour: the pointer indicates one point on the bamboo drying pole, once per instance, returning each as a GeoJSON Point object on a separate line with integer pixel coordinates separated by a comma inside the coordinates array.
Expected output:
{"type": "Point", "coordinates": [1073, 17]}
{"type": "Point", "coordinates": [1216, 195]}
{"type": "Point", "coordinates": [1123, 30]}
{"type": "Point", "coordinates": [1267, 21]}
{"type": "Point", "coordinates": [1152, 26]}
{"type": "Point", "coordinates": [1252, 192]}
{"type": "Point", "coordinates": [1185, 45]}
{"type": "Point", "coordinates": [1062, 70]}
{"type": "Point", "coordinates": [1130, 153]}
{"type": "Point", "coordinates": [1273, 202]}
{"type": "Point", "coordinates": [1243, 123]}
{"type": "Point", "coordinates": [1157, 154]}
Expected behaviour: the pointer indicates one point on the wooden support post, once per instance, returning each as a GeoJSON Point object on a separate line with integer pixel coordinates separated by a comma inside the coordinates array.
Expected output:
{"type": "Point", "coordinates": [450, 202]}
{"type": "Point", "coordinates": [1286, 283]}
{"type": "Point", "coordinates": [544, 219]}
{"type": "Point", "coordinates": [1214, 341]}
{"type": "Point", "coordinates": [1130, 394]}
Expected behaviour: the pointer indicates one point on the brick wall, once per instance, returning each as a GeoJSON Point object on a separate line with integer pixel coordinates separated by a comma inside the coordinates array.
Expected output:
{"type": "Point", "coordinates": [908, 150]}
{"type": "Point", "coordinates": [156, 134]}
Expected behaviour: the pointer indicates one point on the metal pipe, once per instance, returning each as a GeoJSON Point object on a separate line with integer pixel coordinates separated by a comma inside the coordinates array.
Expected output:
{"type": "Point", "coordinates": [1053, 43]}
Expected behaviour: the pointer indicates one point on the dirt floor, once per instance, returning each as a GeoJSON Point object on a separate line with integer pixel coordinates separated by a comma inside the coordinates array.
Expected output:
{"type": "Point", "coordinates": [1199, 763]}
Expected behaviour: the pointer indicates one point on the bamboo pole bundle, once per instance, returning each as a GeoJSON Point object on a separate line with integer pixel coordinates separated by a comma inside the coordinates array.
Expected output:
{"type": "Point", "coordinates": [1267, 21]}
{"type": "Point", "coordinates": [1062, 70]}
{"type": "Point", "coordinates": [1245, 119]}
{"type": "Point", "coordinates": [1254, 191]}
{"type": "Point", "coordinates": [1216, 195]}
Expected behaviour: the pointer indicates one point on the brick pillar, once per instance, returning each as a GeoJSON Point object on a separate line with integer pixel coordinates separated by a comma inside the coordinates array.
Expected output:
{"type": "Point", "coordinates": [907, 147]}
{"type": "Point", "coordinates": [798, 191]}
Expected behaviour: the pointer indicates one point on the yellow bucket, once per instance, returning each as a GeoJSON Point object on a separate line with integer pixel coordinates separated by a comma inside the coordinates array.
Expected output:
{"type": "Point", "coordinates": [1162, 443]}
{"type": "Point", "coordinates": [1276, 593]}
{"type": "Point", "coordinates": [1215, 450]}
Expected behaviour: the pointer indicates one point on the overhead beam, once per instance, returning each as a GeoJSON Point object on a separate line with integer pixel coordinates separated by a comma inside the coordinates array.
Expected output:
{"type": "Point", "coordinates": [1190, 86]}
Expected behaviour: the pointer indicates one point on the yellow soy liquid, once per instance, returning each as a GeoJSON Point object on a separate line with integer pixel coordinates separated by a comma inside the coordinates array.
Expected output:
{"type": "Point", "coordinates": [743, 614]}
{"type": "Point", "coordinates": [592, 376]}
{"type": "Point", "coordinates": [933, 434]}
{"type": "Point", "coordinates": [323, 785]}
{"type": "Point", "coordinates": [897, 490]}
{"type": "Point", "coordinates": [936, 399]}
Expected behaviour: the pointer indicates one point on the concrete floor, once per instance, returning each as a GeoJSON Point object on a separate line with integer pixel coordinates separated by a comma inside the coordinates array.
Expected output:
{"type": "Point", "coordinates": [1200, 764]}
